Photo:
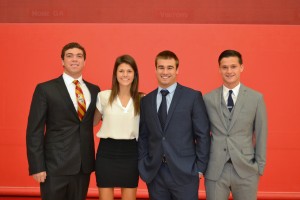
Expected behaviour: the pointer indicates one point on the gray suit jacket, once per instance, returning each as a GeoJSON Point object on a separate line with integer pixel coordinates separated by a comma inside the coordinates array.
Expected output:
{"type": "Point", "coordinates": [244, 139]}
{"type": "Point", "coordinates": [184, 141]}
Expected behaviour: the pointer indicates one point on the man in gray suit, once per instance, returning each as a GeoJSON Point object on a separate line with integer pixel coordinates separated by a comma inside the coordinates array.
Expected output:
{"type": "Point", "coordinates": [239, 134]}
{"type": "Point", "coordinates": [174, 135]}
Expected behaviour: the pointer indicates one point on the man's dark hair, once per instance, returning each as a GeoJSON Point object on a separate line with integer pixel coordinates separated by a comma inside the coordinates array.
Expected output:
{"type": "Point", "coordinates": [72, 45]}
{"type": "Point", "coordinates": [167, 55]}
{"type": "Point", "coordinates": [230, 53]}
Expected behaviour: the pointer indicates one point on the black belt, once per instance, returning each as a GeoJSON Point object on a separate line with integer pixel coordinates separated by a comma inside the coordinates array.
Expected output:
{"type": "Point", "coordinates": [164, 159]}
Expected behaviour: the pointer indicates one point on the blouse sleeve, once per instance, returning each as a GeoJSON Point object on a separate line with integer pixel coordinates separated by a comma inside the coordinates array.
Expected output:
{"type": "Point", "coordinates": [98, 104]}
{"type": "Point", "coordinates": [102, 100]}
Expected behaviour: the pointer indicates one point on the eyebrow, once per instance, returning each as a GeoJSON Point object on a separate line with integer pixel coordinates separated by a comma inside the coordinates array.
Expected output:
{"type": "Point", "coordinates": [74, 54]}
{"type": "Point", "coordinates": [165, 66]}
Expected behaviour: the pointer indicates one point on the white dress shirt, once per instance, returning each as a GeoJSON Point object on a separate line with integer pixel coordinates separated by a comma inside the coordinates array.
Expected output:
{"type": "Point", "coordinates": [71, 89]}
{"type": "Point", "coordinates": [234, 95]}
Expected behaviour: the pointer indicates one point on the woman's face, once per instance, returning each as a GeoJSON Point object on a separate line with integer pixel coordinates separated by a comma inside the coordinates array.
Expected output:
{"type": "Point", "coordinates": [125, 74]}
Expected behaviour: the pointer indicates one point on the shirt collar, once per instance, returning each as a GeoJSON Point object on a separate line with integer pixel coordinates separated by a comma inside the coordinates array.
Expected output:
{"type": "Point", "coordinates": [69, 80]}
{"type": "Point", "coordinates": [235, 90]}
{"type": "Point", "coordinates": [171, 88]}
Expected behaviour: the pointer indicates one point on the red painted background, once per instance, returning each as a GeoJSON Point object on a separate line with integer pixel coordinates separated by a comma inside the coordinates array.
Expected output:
{"type": "Point", "coordinates": [154, 11]}
{"type": "Point", "coordinates": [30, 53]}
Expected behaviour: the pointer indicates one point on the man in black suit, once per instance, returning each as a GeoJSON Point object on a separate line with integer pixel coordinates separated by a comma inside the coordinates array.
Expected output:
{"type": "Point", "coordinates": [174, 137]}
{"type": "Point", "coordinates": [59, 138]}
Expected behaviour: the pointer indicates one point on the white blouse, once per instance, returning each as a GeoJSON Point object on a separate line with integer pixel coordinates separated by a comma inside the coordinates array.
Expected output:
{"type": "Point", "coordinates": [118, 122]}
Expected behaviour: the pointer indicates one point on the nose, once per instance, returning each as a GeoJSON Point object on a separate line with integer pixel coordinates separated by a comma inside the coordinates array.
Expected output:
{"type": "Point", "coordinates": [229, 70]}
{"type": "Point", "coordinates": [165, 70]}
{"type": "Point", "coordinates": [74, 59]}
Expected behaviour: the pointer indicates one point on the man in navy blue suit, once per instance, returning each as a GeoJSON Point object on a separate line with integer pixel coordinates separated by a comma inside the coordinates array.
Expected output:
{"type": "Point", "coordinates": [174, 138]}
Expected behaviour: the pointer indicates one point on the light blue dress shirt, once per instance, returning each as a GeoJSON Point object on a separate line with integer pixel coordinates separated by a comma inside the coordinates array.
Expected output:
{"type": "Point", "coordinates": [169, 97]}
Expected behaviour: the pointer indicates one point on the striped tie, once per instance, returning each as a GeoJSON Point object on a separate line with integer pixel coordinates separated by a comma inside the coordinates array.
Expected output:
{"type": "Point", "coordinates": [80, 100]}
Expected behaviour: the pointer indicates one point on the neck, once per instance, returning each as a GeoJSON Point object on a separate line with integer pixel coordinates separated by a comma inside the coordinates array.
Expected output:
{"type": "Point", "coordinates": [75, 76]}
{"type": "Point", "coordinates": [231, 86]}
{"type": "Point", "coordinates": [124, 91]}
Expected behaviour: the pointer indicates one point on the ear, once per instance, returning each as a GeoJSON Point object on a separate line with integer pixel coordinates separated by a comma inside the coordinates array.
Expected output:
{"type": "Point", "coordinates": [62, 62]}
{"type": "Point", "coordinates": [242, 68]}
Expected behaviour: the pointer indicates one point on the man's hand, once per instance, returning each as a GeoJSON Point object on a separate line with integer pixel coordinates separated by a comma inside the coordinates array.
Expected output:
{"type": "Point", "coordinates": [40, 177]}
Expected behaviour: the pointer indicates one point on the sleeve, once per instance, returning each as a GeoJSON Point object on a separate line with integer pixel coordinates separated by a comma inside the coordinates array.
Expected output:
{"type": "Point", "coordinates": [261, 130]}
{"type": "Point", "coordinates": [35, 132]}
{"type": "Point", "coordinates": [143, 135]}
{"type": "Point", "coordinates": [201, 130]}
{"type": "Point", "coordinates": [98, 103]}
{"type": "Point", "coordinates": [102, 100]}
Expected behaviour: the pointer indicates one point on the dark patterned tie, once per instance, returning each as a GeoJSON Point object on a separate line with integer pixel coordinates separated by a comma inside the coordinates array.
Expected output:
{"type": "Point", "coordinates": [162, 111]}
{"type": "Point", "coordinates": [230, 101]}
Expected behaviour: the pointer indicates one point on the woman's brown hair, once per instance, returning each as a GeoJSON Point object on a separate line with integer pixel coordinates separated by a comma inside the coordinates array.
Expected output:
{"type": "Point", "coordinates": [134, 89]}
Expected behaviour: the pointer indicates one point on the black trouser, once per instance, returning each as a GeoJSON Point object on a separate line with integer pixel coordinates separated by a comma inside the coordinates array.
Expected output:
{"type": "Point", "coordinates": [70, 187]}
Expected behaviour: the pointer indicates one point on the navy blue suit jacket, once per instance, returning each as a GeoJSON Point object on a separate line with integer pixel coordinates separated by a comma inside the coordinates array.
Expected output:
{"type": "Point", "coordinates": [185, 141]}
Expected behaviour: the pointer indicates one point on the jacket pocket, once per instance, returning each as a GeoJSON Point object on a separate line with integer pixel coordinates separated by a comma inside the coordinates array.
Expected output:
{"type": "Point", "coordinates": [248, 151]}
{"type": "Point", "coordinates": [187, 152]}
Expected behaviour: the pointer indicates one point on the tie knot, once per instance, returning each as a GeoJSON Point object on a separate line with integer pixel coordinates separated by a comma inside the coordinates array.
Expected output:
{"type": "Point", "coordinates": [164, 92]}
{"type": "Point", "coordinates": [76, 82]}
{"type": "Point", "coordinates": [230, 92]}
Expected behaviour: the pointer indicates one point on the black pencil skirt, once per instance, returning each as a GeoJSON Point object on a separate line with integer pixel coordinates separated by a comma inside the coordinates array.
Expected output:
{"type": "Point", "coordinates": [117, 163]}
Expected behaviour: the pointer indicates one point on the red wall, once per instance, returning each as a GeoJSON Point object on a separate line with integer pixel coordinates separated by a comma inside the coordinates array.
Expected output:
{"type": "Point", "coordinates": [30, 53]}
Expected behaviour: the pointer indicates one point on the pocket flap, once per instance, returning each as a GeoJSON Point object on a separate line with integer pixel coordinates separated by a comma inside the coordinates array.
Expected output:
{"type": "Point", "coordinates": [247, 151]}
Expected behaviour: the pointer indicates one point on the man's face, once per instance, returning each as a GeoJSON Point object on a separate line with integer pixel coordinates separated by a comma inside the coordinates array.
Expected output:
{"type": "Point", "coordinates": [166, 72]}
{"type": "Point", "coordinates": [73, 62]}
{"type": "Point", "coordinates": [230, 69]}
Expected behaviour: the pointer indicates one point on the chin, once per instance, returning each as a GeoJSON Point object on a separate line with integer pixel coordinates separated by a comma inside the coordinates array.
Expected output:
{"type": "Point", "coordinates": [164, 84]}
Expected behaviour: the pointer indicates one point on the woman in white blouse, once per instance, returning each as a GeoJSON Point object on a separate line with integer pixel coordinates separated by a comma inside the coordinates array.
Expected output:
{"type": "Point", "coordinates": [119, 109]}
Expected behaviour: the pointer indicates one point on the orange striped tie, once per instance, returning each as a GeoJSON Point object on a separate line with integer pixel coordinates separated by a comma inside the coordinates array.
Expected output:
{"type": "Point", "coordinates": [80, 100]}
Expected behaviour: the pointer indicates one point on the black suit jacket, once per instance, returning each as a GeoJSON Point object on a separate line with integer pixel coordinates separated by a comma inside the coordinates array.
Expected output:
{"type": "Point", "coordinates": [185, 141]}
{"type": "Point", "coordinates": [57, 141]}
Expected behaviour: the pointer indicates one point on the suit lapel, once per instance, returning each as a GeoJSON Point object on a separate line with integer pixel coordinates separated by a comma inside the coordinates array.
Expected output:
{"type": "Point", "coordinates": [218, 102]}
{"type": "Point", "coordinates": [238, 105]}
{"type": "Point", "coordinates": [65, 95]}
{"type": "Point", "coordinates": [174, 102]}
{"type": "Point", "coordinates": [88, 85]}
{"type": "Point", "coordinates": [154, 109]}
